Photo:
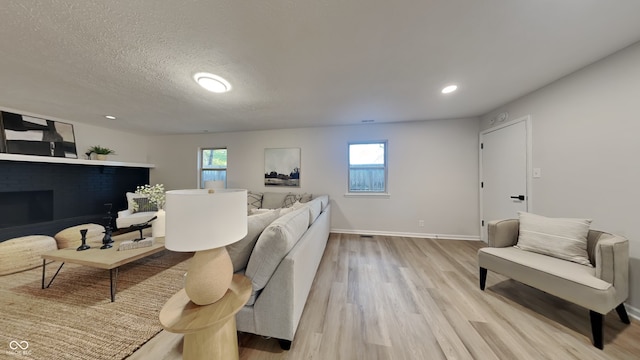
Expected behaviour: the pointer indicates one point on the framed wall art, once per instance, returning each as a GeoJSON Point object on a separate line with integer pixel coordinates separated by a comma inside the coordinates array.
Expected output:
{"type": "Point", "coordinates": [282, 167]}
{"type": "Point", "coordinates": [28, 135]}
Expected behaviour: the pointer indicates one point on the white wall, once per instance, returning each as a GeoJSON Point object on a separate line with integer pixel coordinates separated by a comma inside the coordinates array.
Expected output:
{"type": "Point", "coordinates": [586, 140]}
{"type": "Point", "coordinates": [433, 172]}
{"type": "Point", "coordinates": [128, 147]}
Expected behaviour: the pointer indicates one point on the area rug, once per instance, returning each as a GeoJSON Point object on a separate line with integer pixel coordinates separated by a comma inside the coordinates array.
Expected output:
{"type": "Point", "coordinates": [75, 319]}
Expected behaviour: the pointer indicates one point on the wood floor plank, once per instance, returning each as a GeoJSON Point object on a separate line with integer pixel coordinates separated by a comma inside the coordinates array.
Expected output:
{"type": "Point", "coordinates": [391, 298]}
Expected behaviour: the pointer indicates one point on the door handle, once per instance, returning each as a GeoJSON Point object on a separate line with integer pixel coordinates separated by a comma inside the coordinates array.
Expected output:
{"type": "Point", "coordinates": [519, 197]}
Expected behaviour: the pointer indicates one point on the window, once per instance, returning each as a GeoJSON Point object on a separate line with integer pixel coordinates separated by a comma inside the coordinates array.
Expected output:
{"type": "Point", "coordinates": [213, 165]}
{"type": "Point", "coordinates": [368, 167]}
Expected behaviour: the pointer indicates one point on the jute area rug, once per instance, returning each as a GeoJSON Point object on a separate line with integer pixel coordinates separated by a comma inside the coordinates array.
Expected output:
{"type": "Point", "coordinates": [75, 319]}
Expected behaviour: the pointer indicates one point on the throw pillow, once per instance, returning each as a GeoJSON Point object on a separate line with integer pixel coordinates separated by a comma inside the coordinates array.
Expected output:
{"type": "Point", "coordinates": [254, 200]}
{"type": "Point", "coordinates": [291, 199]}
{"type": "Point", "coordinates": [558, 237]}
{"type": "Point", "coordinates": [142, 204]}
{"type": "Point", "coordinates": [240, 251]}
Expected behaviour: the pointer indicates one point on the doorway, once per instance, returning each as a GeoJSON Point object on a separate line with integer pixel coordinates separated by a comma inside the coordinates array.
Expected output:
{"type": "Point", "coordinates": [505, 163]}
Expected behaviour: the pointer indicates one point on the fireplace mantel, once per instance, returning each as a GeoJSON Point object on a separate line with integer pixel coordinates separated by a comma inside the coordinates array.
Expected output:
{"type": "Point", "coordinates": [61, 160]}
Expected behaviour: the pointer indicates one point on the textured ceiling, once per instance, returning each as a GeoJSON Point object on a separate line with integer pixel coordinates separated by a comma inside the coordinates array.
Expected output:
{"type": "Point", "coordinates": [293, 63]}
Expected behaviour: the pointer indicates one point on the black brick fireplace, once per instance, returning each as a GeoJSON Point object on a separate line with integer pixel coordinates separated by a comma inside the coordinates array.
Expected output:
{"type": "Point", "coordinates": [44, 198]}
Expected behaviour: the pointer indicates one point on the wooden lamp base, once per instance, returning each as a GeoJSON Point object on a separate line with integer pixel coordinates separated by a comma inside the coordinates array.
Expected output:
{"type": "Point", "coordinates": [209, 276]}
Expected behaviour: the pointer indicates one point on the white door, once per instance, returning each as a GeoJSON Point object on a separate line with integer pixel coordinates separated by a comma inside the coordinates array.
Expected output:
{"type": "Point", "coordinates": [504, 161]}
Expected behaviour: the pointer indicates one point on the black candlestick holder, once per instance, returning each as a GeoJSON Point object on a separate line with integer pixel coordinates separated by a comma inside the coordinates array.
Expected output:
{"type": "Point", "coordinates": [84, 245]}
{"type": "Point", "coordinates": [107, 240]}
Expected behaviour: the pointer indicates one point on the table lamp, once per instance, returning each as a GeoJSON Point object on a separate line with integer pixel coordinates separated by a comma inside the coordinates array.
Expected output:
{"type": "Point", "coordinates": [205, 221]}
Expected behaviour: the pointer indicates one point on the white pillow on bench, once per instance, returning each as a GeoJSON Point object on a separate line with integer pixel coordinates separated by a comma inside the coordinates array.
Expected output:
{"type": "Point", "coordinates": [562, 238]}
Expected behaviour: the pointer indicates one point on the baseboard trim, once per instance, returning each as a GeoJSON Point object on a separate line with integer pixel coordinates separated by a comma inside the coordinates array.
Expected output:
{"type": "Point", "coordinates": [407, 234]}
{"type": "Point", "coordinates": [633, 311]}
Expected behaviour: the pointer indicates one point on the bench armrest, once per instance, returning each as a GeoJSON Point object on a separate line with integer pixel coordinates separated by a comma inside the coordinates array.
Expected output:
{"type": "Point", "coordinates": [612, 262]}
{"type": "Point", "coordinates": [503, 233]}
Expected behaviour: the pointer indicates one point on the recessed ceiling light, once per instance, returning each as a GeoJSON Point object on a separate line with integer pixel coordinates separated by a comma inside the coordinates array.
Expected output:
{"type": "Point", "coordinates": [368, 120]}
{"type": "Point", "coordinates": [449, 89]}
{"type": "Point", "coordinates": [110, 117]}
{"type": "Point", "coordinates": [211, 82]}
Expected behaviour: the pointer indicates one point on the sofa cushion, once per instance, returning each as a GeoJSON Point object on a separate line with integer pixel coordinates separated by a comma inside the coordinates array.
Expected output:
{"type": "Point", "coordinates": [254, 200]}
{"type": "Point", "coordinates": [315, 208]}
{"type": "Point", "coordinates": [259, 211]}
{"type": "Point", "coordinates": [273, 245]}
{"type": "Point", "coordinates": [324, 200]}
{"type": "Point", "coordinates": [273, 200]}
{"type": "Point", "coordinates": [558, 237]}
{"type": "Point", "coordinates": [123, 221]}
{"type": "Point", "coordinates": [241, 250]}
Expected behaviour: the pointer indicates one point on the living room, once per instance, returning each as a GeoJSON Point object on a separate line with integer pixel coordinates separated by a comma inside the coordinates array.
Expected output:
{"type": "Point", "coordinates": [583, 140]}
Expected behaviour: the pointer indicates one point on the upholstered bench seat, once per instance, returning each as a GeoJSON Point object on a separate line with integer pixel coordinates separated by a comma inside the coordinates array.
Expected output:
{"type": "Point", "coordinates": [600, 286]}
{"type": "Point", "coordinates": [565, 279]}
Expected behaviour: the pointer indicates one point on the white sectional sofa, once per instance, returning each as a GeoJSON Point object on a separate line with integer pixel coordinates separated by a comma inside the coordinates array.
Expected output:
{"type": "Point", "coordinates": [283, 262]}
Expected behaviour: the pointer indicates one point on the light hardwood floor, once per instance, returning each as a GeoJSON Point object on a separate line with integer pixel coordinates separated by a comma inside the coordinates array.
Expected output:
{"type": "Point", "coordinates": [407, 298]}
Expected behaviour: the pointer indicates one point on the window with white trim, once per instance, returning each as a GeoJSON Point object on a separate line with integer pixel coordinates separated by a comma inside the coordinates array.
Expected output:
{"type": "Point", "coordinates": [213, 165]}
{"type": "Point", "coordinates": [368, 167]}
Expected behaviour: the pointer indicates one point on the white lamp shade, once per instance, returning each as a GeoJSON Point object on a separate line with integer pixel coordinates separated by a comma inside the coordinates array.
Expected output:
{"type": "Point", "coordinates": [198, 220]}
{"type": "Point", "coordinates": [214, 184]}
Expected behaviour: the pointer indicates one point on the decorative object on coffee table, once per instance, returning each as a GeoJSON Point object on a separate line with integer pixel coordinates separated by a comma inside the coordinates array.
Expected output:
{"type": "Point", "coordinates": [84, 245]}
{"type": "Point", "coordinates": [205, 221]}
{"type": "Point", "coordinates": [107, 240]}
{"type": "Point", "coordinates": [136, 244]}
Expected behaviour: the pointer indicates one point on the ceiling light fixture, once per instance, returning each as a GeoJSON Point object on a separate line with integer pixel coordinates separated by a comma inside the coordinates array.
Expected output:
{"type": "Point", "coordinates": [211, 82]}
{"type": "Point", "coordinates": [110, 117]}
{"type": "Point", "coordinates": [449, 89]}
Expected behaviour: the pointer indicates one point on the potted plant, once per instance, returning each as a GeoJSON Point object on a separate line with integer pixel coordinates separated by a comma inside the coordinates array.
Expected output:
{"type": "Point", "coordinates": [101, 152]}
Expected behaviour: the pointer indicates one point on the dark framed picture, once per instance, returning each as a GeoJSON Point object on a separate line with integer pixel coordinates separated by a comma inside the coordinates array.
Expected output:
{"type": "Point", "coordinates": [282, 167]}
{"type": "Point", "coordinates": [29, 135]}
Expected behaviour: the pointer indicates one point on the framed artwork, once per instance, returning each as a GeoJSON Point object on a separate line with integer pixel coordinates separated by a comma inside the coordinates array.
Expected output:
{"type": "Point", "coordinates": [28, 135]}
{"type": "Point", "coordinates": [282, 167]}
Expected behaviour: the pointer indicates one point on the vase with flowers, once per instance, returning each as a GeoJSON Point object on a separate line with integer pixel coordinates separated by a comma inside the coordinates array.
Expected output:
{"type": "Point", "coordinates": [156, 195]}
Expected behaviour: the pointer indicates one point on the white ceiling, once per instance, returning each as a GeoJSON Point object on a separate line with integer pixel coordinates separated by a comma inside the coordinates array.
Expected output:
{"type": "Point", "coordinates": [293, 63]}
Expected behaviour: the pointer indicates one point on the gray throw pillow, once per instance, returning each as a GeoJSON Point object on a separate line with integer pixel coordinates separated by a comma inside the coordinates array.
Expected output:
{"type": "Point", "coordinates": [240, 251]}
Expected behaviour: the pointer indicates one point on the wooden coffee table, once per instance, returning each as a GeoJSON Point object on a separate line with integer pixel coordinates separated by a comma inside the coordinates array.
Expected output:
{"type": "Point", "coordinates": [110, 259]}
